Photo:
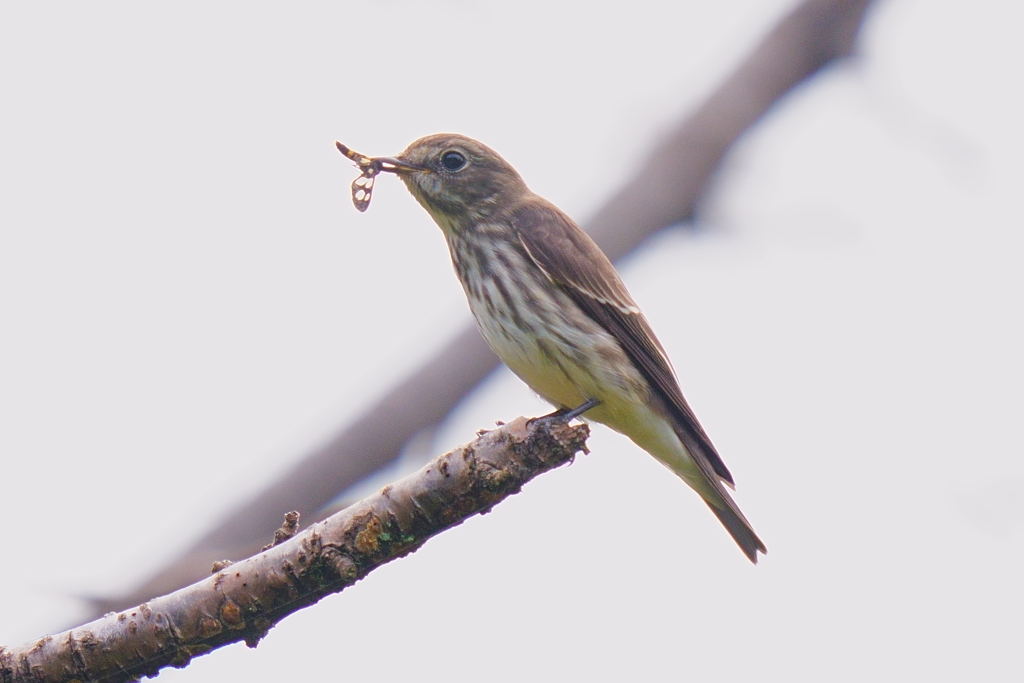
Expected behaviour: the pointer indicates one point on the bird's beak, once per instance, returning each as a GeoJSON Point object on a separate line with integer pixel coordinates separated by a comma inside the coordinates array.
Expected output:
{"type": "Point", "coordinates": [378, 164]}
{"type": "Point", "coordinates": [398, 166]}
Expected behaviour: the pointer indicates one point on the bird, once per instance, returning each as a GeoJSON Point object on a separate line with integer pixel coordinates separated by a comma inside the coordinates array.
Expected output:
{"type": "Point", "coordinates": [553, 308]}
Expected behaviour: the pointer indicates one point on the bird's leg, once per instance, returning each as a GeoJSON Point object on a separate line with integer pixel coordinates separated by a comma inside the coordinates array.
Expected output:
{"type": "Point", "coordinates": [579, 410]}
{"type": "Point", "coordinates": [555, 414]}
{"type": "Point", "coordinates": [568, 414]}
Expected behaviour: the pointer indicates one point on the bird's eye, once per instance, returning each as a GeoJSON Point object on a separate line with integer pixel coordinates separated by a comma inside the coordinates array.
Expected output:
{"type": "Point", "coordinates": [453, 161]}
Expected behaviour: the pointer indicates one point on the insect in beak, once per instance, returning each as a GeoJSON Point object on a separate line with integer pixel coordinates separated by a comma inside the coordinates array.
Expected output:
{"type": "Point", "coordinates": [369, 167]}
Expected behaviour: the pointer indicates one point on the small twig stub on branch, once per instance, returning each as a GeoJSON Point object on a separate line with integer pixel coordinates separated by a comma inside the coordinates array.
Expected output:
{"type": "Point", "coordinates": [287, 530]}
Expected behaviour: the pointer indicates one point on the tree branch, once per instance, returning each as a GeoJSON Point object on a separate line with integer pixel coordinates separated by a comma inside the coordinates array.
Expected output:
{"type": "Point", "coordinates": [663, 192]}
{"type": "Point", "coordinates": [242, 601]}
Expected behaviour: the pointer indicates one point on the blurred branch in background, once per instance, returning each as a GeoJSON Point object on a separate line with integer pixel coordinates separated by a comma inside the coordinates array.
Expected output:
{"type": "Point", "coordinates": [243, 601]}
{"type": "Point", "coordinates": [664, 191]}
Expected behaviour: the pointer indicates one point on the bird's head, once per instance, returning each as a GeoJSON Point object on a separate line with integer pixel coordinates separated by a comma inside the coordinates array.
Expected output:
{"type": "Point", "coordinates": [456, 179]}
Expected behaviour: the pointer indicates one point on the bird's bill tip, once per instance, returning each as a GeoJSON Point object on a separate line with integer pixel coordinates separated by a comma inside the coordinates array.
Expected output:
{"type": "Point", "coordinates": [396, 165]}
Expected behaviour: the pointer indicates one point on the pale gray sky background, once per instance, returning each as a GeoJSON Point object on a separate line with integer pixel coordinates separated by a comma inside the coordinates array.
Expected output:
{"type": "Point", "coordinates": [189, 301]}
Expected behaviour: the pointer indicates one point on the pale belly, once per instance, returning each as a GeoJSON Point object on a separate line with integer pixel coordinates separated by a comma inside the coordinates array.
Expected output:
{"type": "Point", "coordinates": [568, 363]}
{"type": "Point", "coordinates": [584, 364]}
{"type": "Point", "coordinates": [624, 402]}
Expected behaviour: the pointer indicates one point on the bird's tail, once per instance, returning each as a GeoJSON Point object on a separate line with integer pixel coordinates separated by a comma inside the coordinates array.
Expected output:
{"type": "Point", "coordinates": [711, 486]}
{"type": "Point", "coordinates": [685, 449]}
{"type": "Point", "coordinates": [735, 523]}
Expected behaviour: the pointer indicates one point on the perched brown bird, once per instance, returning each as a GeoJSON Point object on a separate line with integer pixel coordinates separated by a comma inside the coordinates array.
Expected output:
{"type": "Point", "coordinates": [552, 307]}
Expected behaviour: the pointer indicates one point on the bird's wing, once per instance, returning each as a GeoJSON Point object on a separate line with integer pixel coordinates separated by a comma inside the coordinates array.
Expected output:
{"type": "Point", "coordinates": [573, 261]}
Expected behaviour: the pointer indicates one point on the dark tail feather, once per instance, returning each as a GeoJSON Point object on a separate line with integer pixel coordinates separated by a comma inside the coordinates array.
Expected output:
{"type": "Point", "coordinates": [711, 487]}
{"type": "Point", "coordinates": [738, 527]}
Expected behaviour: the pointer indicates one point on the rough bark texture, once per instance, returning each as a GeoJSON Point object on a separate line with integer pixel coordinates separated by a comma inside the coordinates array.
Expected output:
{"type": "Point", "coordinates": [242, 601]}
{"type": "Point", "coordinates": [664, 191]}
